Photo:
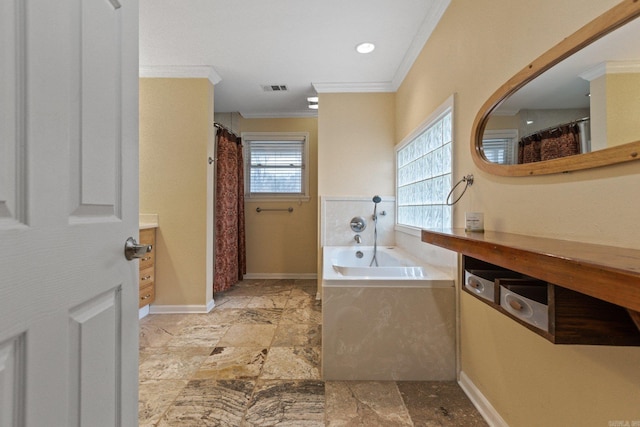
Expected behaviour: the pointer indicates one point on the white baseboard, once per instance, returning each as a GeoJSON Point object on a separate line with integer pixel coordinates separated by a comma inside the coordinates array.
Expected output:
{"type": "Point", "coordinates": [143, 312]}
{"type": "Point", "coordinates": [304, 276]}
{"type": "Point", "coordinates": [488, 412]}
{"type": "Point", "coordinates": [178, 309]}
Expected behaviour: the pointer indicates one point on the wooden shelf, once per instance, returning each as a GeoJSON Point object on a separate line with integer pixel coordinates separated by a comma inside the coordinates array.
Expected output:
{"type": "Point", "coordinates": [608, 273]}
{"type": "Point", "coordinates": [590, 286]}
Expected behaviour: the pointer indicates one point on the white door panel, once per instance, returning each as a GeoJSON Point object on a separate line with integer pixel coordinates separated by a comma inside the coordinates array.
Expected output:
{"type": "Point", "coordinates": [99, 134]}
{"type": "Point", "coordinates": [68, 202]}
{"type": "Point", "coordinates": [12, 113]}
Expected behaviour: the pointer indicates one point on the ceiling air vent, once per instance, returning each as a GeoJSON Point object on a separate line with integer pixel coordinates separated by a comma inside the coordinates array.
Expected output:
{"type": "Point", "coordinates": [274, 88]}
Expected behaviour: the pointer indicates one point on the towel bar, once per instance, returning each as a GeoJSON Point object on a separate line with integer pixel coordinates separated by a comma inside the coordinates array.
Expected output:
{"type": "Point", "coordinates": [289, 209]}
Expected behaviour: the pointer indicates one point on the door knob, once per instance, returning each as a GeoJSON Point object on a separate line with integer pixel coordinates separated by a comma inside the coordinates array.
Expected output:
{"type": "Point", "coordinates": [133, 250]}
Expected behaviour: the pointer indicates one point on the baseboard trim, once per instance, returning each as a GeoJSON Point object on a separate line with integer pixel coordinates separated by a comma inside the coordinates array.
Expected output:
{"type": "Point", "coordinates": [303, 276]}
{"type": "Point", "coordinates": [488, 412]}
{"type": "Point", "coordinates": [143, 312]}
{"type": "Point", "coordinates": [180, 309]}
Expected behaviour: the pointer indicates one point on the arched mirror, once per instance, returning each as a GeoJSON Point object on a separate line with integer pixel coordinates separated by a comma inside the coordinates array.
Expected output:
{"type": "Point", "coordinates": [575, 107]}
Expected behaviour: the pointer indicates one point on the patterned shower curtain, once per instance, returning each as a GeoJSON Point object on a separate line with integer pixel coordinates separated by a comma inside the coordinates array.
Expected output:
{"type": "Point", "coordinates": [230, 260]}
{"type": "Point", "coordinates": [550, 144]}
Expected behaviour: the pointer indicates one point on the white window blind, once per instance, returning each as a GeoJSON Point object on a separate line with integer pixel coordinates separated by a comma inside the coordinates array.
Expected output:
{"type": "Point", "coordinates": [499, 146]}
{"type": "Point", "coordinates": [275, 167]}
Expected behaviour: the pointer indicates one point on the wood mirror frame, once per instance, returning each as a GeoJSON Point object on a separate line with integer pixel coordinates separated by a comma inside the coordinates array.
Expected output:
{"type": "Point", "coordinates": [614, 18]}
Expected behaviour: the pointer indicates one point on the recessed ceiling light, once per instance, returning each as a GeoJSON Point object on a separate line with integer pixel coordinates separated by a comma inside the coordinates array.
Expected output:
{"type": "Point", "coordinates": [312, 99]}
{"type": "Point", "coordinates": [313, 106]}
{"type": "Point", "coordinates": [365, 47]}
{"type": "Point", "coordinates": [529, 122]}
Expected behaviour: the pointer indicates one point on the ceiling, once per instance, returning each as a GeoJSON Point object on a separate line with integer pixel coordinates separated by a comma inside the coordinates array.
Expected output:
{"type": "Point", "coordinates": [566, 85]}
{"type": "Point", "coordinates": [308, 46]}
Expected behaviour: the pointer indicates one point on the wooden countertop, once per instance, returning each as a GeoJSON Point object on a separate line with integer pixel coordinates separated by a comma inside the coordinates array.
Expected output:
{"type": "Point", "coordinates": [148, 221]}
{"type": "Point", "coordinates": [608, 273]}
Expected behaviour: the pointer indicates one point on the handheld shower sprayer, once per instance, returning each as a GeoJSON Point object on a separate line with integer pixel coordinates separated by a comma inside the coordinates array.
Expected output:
{"type": "Point", "coordinates": [376, 199]}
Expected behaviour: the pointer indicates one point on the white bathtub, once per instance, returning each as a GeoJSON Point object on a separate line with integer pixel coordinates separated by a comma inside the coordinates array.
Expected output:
{"type": "Point", "coordinates": [392, 322]}
{"type": "Point", "coordinates": [343, 265]}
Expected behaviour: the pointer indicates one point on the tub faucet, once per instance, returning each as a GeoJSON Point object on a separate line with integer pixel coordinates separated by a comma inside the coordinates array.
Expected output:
{"type": "Point", "coordinates": [357, 238]}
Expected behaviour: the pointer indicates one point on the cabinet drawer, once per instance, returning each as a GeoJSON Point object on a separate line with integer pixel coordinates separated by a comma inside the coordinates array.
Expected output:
{"type": "Point", "coordinates": [146, 276]}
{"type": "Point", "coordinates": [147, 236]}
{"type": "Point", "coordinates": [147, 261]}
{"type": "Point", "coordinates": [147, 268]}
{"type": "Point", "coordinates": [529, 303]}
{"type": "Point", "coordinates": [482, 282]}
{"type": "Point", "coordinates": [147, 294]}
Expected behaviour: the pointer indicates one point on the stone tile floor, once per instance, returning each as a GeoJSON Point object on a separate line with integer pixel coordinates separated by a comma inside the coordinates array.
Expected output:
{"type": "Point", "coordinates": [254, 360]}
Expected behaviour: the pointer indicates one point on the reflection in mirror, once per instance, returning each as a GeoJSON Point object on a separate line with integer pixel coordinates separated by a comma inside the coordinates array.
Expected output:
{"type": "Point", "coordinates": [553, 115]}
{"type": "Point", "coordinates": [586, 103]}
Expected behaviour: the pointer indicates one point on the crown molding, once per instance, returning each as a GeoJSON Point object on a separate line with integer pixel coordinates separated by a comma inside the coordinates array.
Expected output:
{"type": "Point", "coordinates": [353, 87]}
{"type": "Point", "coordinates": [181, 72]}
{"type": "Point", "coordinates": [417, 44]}
{"type": "Point", "coordinates": [594, 72]}
{"type": "Point", "coordinates": [623, 67]}
{"type": "Point", "coordinates": [280, 115]}
{"type": "Point", "coordinates": [611, 67]}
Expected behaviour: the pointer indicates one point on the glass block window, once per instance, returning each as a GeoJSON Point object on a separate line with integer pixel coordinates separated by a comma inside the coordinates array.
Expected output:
{"type": "Point", "coordinates": [423, 168]}
{"type": "Point", "coordinates": [275, 165]}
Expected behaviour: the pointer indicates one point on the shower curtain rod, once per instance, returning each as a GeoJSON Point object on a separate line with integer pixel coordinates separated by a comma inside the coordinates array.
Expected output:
{"type": "Point", "coordinates": [574, 122]}
{"type": "Point", "coordinates": [219, 126]}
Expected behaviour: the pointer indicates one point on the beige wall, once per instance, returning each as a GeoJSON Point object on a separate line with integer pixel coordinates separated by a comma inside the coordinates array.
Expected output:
{"type": "Point", "coordinates": [503, 122]}
{"type": "Point", "coordinates": [623, 101]}
{"type": "Point", "coordinates": [281, 243]}
{"type": "Point", "coordinates": [355, 154]}
{"type": "Point", "coordinates": [527, 379]}
{"type": "Point", "coordinates": [598, 109]}
{"type": "Point", "coordinates": [175, 140]}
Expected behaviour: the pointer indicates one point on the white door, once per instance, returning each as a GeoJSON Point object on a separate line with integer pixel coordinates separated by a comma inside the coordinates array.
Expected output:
{"type": "Point", "coordinates": [68, 201]}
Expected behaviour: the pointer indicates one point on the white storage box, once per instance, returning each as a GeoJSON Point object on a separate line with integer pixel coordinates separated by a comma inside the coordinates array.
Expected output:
{"type": "Point", "coordinates": [482, 282]}
{"type": "Point", "coordinates": [526, 302]}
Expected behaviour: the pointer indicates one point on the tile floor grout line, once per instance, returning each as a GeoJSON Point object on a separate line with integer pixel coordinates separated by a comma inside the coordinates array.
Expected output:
{"type": "Point", "coordinates": [171, 404]}
{"type": "Point", "coordinates": [258, 377]}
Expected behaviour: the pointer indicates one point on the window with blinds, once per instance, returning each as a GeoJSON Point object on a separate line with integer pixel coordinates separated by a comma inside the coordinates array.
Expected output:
{"type": "Point", "coordinates": [499, 146]}
{"type": "Point", "coordinates": [275, 165]}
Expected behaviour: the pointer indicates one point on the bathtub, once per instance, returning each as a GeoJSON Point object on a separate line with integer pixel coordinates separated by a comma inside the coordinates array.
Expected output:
{"type": "Point", "coordinates": [392, 322]}
{"type": "Point", "coordinates": [343, 266]}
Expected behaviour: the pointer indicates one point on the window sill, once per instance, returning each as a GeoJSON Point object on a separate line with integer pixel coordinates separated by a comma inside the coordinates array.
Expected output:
{"type": "Point", "coordinates": [412, 231]}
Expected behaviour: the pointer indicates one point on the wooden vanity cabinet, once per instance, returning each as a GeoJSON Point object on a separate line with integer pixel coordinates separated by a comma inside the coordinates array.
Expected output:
{"type": "Point", "coordinates": [588, 294]}
{"type": "Point", "coordinates": [147, 268]}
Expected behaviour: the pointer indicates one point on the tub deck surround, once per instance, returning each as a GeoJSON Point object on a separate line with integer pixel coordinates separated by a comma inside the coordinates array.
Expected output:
{"type": "Point", "coordinates": [386, 327]}
{"type": "Point", "coordinates": [388, 334]}
{"type": "Point", "coordinates": [593, 290]}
